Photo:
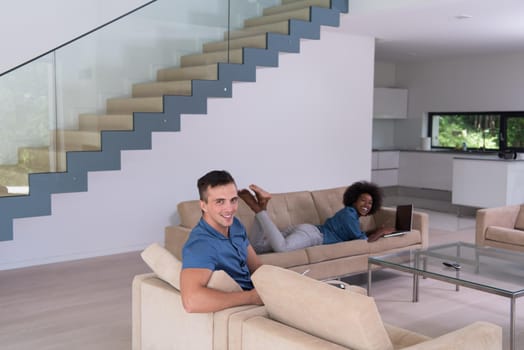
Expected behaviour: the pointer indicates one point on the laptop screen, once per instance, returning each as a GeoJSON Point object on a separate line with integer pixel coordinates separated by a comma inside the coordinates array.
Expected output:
{"type": "Point", "coordinates": [404, 217]}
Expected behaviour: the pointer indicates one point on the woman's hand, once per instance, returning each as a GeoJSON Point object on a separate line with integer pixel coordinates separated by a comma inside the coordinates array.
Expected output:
{"type": "Point", "coordinates": [379, 232]}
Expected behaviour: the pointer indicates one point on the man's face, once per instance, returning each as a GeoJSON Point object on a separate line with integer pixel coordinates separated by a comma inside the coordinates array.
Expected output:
{"type": "Point", "coordinates": [220, 207]}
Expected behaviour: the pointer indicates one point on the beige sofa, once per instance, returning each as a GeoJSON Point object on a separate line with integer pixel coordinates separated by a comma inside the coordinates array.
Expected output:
{"type": "Point", "coordinates": [501, 227]}
{"type": "Point", "coordinates": [299, 313]}
{"type": "Point", "coordinates": [323, 261]}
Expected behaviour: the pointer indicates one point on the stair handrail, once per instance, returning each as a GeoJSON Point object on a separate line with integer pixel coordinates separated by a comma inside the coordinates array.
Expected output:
{"type": "Point", "coordinates": [78, 37]}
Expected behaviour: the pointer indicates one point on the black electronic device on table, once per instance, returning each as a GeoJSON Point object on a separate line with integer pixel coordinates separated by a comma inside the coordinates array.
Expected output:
{"type": "Point", "coordinates": [403, 220]}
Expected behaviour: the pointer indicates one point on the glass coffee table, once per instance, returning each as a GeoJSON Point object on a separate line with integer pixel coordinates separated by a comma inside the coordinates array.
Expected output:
{"type": "Point", "coordinates": [491, 270]}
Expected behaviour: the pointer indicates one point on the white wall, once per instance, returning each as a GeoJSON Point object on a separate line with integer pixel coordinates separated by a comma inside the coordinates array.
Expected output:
{"type": "Point", "coordinates": [477, 83]}
{"type": "Point", "coordinates": [304, 125]}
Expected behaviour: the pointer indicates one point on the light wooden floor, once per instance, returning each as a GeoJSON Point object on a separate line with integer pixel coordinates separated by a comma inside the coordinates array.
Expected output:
{"type": "Point", "coordinates": [84, 304]}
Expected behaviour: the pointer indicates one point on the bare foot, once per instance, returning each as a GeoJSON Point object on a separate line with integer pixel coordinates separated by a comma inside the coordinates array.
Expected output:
{"type": "Point", "coordinates": [263, 196]}
{"type": "Point", "coordinates": [250, 200]}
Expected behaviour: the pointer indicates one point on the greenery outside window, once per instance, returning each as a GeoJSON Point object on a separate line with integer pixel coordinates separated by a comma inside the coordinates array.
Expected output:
{"type": "Point", "coordinates": [490, 131]}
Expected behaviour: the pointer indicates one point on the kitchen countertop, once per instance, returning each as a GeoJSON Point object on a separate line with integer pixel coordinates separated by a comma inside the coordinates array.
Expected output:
{"type": "Point", "coordinates": [438, 150]}
{"type": "Point", "coordinates": [490, 159]}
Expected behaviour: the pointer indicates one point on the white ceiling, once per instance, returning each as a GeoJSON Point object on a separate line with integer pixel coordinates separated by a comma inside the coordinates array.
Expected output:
{"type": "Point", "coordinates": [425, 30]}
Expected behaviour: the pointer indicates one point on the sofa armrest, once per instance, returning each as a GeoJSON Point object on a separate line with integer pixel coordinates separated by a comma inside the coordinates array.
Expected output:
{"type": "Point", "coordinates": [136, 307]}
{"type": "Point", "coordinates": [476, 336]}
{"type": "Point", "coordinates": [174, 239]}
{"type": "Point", "coordinates": [421, 223]}
{"type": "Point", "coordinates": [260, 333]}
{"type": "Point", "coordinates": [402, 338]}
{"type": "Point", "coordinates": [500, 216]}
{"type": "Point", "coordinates": [162, 322]}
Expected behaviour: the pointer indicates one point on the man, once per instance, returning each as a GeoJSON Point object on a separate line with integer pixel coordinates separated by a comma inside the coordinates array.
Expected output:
{"type": "Point", "coordinates": [218, 242]}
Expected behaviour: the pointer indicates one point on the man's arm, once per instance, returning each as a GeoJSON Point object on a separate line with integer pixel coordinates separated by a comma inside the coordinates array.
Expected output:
{"type": "Point", "coordinates": [253, 261]}
{"type": "Point", "coordinates": [196, 297]}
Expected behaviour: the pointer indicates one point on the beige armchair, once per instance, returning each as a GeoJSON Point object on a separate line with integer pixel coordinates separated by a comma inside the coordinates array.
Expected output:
{"type": "Point", "coordinates": [501, 227]}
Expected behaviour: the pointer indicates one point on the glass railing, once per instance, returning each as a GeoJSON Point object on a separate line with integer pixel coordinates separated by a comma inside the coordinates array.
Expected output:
{"type": "Point", "coordinates": [60, 101]}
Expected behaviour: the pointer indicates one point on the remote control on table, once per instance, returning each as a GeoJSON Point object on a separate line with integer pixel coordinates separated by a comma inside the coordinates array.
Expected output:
{"type": "Point", "coordinates": [453, 265]}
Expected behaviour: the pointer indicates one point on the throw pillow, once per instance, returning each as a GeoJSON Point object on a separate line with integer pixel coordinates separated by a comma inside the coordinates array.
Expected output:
{"type": "Point", "coordinates": [167, 267]}
{"type": "Point", "coordinates": [163, 263]}
{"type": "Point", "coordinates": [348, 319]}
{"type": "Point", "coordinates": [220, 280]}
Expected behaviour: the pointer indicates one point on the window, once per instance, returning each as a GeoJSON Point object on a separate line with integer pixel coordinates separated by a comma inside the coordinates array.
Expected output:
{"type": "Point", "coordinates": [490, 131]}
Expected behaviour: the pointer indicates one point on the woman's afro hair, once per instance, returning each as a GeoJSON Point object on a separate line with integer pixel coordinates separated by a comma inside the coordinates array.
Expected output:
{"type": "Point", "coordinates": [356, 189]}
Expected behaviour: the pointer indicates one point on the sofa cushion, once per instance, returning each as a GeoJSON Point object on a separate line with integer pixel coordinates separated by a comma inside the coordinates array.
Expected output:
{"type": "Point", "coordinates": [385, 244]}
{"type": "Point", "coordinates": [519, 224]}
{"type": "Point", "coordinates": [345, 318]}
{"type": "Point", "coordinates": [289, 259]}
{"type": "Point", "coordinates": [189, 213]}
{"type": "Point", "coordinates": [167, 268]}
{"type": "Point", "coordinates": [328, 202]}
{"type": "Point", "coordinates": [325, 252]}
{"type": "Point", "coordinates": [505, 235]}
{"type": "Point", "coordinates": [292, 208]}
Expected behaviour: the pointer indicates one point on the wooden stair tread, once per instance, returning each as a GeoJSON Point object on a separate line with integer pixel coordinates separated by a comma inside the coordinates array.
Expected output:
{"type": "Point", "coordinates": [301, 14]}
{"type": "Point", "coordinates": [161, 88]}
{"type": "Point", "coordinates": [281, 27]}
{"type": "Point", "coordinates": [99, 122]}
{"type": "Point", "coordinates": [203, 72]}
{"type": "Point", "coordinates": [296, 5]}
{"type": "Point", "coordinates": [231, 56]}
{"type": "Point", "coordinates": [134, 104]}
{"type": "Point", "coordinates": [256, 41]}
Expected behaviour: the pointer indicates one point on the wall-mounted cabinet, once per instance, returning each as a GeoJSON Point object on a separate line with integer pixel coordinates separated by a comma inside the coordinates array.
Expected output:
{"type": "Point", "coordinates": [390, 103]}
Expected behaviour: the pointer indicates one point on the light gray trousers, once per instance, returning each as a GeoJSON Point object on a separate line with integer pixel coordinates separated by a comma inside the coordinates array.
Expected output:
{"type": "Point", "coordinates": [266, 236]}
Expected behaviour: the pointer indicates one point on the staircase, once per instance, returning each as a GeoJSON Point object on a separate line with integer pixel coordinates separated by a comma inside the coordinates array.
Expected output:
{"type": "Point", "coordinates": [157, 106]}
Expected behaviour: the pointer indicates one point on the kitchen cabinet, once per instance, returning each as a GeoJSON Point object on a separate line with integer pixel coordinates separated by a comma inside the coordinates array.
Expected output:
{"type": "Point", "coordinates": [390, 103]}
{"type": "Point", "coordinates": [384, 168]}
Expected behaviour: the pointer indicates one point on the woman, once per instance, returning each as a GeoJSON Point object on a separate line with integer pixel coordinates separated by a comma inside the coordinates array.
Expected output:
{"type": "Point", "coordinates": [360, 199]}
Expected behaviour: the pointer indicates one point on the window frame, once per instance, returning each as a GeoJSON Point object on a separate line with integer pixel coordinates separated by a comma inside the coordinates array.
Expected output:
{"type": "Point", "coordinates": [503, 132]}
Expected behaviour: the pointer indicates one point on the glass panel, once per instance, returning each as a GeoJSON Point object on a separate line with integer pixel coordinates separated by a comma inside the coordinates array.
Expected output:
{"type": "Point", "coordinates": [515, 132]}
{"type": "Point", "coordinates": [27, 105]}
{"type": "Point", "coordinates": [44, 103]}
{"type": "Point", "coordinates": [476, 131]}
{"type": "Point", "coordinates": [61, 102]}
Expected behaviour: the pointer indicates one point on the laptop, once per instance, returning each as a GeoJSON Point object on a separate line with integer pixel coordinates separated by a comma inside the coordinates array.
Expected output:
{"type": "Point", "coordinates": [403, 220]}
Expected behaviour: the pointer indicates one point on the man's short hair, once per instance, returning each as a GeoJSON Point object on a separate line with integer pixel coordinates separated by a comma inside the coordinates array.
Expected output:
{"type": "Point", "coordinates": [212, 179]}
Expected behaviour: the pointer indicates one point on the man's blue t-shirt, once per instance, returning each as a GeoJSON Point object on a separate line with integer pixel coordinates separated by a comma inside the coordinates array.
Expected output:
{"type": "Point", "coordinates": [206, 248]}
{"type": "Point", "coordinates": [341, 227]}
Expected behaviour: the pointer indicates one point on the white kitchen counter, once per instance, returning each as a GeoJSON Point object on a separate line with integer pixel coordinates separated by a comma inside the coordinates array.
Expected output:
{"type": "Point", "coordinates": [484, 183]}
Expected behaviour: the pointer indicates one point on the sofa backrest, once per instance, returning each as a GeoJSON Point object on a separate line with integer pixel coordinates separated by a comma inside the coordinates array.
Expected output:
{"type": "Point", "coordinates": [328, 202]}
{"type": "Point", "coordinates": [285, 209]}
{"type": "Point", "coordinates": [519, 223]}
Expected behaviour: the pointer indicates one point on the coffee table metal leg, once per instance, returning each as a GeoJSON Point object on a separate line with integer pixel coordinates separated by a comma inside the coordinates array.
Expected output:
{"type": "Point", "coordinates": [369, 279]}
{"type": "Point", "coordinates": [415, 277]}
{"type": "Point", "coordinates": [457, 287]}
{"type": "Point", "coordinates": [415, 287]}
{"type": "Point", "coordinates": [512, 326]}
